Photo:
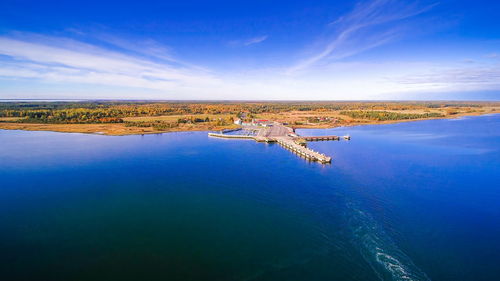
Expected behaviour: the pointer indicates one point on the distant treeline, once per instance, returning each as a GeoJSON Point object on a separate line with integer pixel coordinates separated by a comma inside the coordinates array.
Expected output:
{"type": "Point", "coordinates": [387, 115]}
{"type": "Point", "coordinates": [157, 125]}
{"type": "Point", "coordinates": [114, 111]}
{"type": "Point", "coordinates": [453, 105]}
{"type": "Point", "coordinates": [163, 125]}
{"type": "Point", "coordinates": [76, 115]}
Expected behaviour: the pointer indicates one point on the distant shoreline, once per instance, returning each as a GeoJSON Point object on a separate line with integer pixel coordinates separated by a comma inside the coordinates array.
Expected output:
{"type": "Point", "coordinates": [100, 129]}
{"type": "Point", "coordinates": [398, 121]}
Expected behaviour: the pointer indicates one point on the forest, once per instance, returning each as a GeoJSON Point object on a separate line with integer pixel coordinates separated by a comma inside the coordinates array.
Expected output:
{"type": "Point", "coordinates": [387, 115]}
{"type": "Point", "coordinates": [95, 112]}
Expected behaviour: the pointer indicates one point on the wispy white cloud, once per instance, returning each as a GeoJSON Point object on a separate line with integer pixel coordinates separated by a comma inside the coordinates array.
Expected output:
{"type": "Point", "coordinates": [458, 78]}
{"type": "Point", "coordinates": [144, 47]}
{"type": "Point", "coordinates": [255, 40]}
{"type": "Point", "coordinates": [248, 42]}
{"type": "Point", "coordinates": [71, 64]}
{"type": "Point", "coordinates": [368, 25]}
{"type": "Point", "coordinates": [147, 49]}
{"type": "Point", "coordinates": [493, 55]}
{"type": "Point", "coordinates": [63, 60]}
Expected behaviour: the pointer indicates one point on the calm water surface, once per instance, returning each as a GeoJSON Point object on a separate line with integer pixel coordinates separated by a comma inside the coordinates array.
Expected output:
{"type": "Point", "coordinates": [410, 201]}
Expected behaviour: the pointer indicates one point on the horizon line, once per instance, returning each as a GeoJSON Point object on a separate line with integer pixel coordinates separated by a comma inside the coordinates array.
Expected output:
{"type": "Point", "coordinates": [247, 101]}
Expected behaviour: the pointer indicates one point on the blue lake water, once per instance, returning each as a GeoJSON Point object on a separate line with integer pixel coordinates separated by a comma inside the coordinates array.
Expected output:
{"type": "Point", "coordinates": [409, 201]}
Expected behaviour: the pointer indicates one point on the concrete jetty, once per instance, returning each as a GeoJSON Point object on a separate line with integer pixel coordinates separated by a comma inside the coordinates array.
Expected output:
{"type": "Point", "coordinates": [286, 137]}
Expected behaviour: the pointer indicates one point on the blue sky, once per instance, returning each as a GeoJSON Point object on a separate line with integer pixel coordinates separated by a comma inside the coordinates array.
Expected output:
{"type": "Point", "coordinates": [250, 50]}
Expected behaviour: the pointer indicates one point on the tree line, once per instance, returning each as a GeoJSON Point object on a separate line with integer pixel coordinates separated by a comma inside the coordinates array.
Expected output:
{"type": "Point", "coordinates": [114, 111]}
{"type": "Point", "coordinates": [387, 115]}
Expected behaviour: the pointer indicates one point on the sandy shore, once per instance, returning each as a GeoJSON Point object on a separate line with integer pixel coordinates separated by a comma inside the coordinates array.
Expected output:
{"type": "Point", "coordinates": [374, 122]}
{"type": "Point", "coordinates": [118, 129]}
{"type": "Point", "coordinates": [101, 129]}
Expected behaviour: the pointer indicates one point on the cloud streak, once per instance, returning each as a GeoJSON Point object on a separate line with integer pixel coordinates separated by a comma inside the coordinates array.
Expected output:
{"type": "Point", "coordinates": [55, 59]}
{"type": "Point", "coordinates": [367, 26]}
{"type": "Point", "coordinates": [255, 40]}
{"type": "Point", "coordinates": [71, 64]}
{"type": "Point", "coordinates": [249, 42]}
{"type": "Point", "coordinates": [480, 77]}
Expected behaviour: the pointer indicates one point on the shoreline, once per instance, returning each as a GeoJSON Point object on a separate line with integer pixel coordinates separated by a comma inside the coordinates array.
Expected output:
{"type": "Point", "coordinates": [107, 129]}
{"type": "Point", "coordinates": [353, 124]}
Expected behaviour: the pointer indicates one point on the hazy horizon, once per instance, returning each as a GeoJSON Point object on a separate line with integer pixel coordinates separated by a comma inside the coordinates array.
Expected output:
{"type": "Point", "coordinates": [261, 100]}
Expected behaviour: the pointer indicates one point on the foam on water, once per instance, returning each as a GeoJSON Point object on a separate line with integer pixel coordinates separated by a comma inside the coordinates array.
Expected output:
{"type": "Point", "coordinates": [378, 249]}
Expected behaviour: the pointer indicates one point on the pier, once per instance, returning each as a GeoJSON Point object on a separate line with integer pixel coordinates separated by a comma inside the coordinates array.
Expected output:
{"type": "Point", "coordinates": [286, 137]}
{"type": "Point", "coordinates": [304, 151]}
{"type": "Point", "coordinates": [226, 136]}
{"type": "Point", "coordinates": [321, 138]}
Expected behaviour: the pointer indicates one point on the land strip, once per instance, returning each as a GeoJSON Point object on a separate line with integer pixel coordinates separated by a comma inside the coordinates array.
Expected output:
{"type": "Point", "coordinates": [126, 118]}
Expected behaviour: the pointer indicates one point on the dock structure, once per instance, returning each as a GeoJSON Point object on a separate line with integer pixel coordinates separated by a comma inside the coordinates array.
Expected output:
{"type": "Point", "coordinates": [226, 136]}
{"type": "Point", "coordinates": [287, 138]}
{"type": "Point", "coordinates": [304, 151]}
{"type": "Point", "coordinates": [321, 138]}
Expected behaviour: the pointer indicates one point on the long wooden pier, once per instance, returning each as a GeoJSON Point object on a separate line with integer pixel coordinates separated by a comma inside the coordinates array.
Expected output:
{"type": "Point", "coordinates": [286, 137]}
{"type": "Point", "coordinates": [304, 151]}
{"type": "Point", "coordinates": [321, 138]}
{"type": "Point", "coordinates": [226, 136]}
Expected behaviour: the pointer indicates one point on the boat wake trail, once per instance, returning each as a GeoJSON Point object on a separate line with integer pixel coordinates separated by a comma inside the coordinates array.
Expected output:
{"type": "Point", "coordinates": [378, 249]}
